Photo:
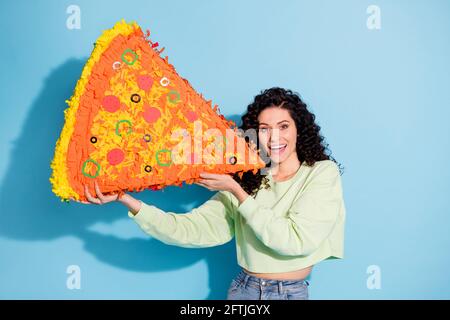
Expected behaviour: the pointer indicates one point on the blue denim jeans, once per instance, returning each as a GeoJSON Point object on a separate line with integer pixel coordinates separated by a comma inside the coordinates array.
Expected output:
{"type": "Point", "coordinates": [247, 287]}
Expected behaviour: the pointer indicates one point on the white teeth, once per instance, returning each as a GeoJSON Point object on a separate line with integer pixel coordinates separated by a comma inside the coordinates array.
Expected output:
{"type": "Point", "coordinates": [277, 147]}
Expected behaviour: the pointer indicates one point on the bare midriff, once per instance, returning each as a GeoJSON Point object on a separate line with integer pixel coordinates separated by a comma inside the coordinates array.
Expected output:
{"type": "Point", "coordinates": [291, 275]}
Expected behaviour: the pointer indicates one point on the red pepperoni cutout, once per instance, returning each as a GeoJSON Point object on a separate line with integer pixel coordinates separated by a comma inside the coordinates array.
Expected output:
{"type": "Point", "coordinates": [151, 114]}
{"type": "Point", "coordinates": [145, 82]}
{"type": "Point", "coordinates": [111, 103]}
{"type": "Point", "coordinates": [192, 116]}
{"type": "Point", "coordinates": [115, 156]}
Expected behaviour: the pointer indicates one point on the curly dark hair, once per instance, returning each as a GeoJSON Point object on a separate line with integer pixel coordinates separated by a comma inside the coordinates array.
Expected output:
{"type": "Point", "coordinates": [310, 143]}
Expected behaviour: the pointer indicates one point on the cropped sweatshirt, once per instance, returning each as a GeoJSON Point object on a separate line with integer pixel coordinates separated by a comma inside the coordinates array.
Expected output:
{"type": "Point", "coordinates": [294, 224]}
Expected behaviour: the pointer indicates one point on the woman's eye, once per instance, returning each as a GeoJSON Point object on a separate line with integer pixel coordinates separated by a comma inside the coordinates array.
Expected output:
{"type": "Point", "coordinates": [285, 126]}
{"type": "Point", "coordinates": [263, 130]}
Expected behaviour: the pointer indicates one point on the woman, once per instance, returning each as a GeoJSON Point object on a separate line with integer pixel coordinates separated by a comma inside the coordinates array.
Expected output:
{"type": "Point", "coordinates": [284, 222]}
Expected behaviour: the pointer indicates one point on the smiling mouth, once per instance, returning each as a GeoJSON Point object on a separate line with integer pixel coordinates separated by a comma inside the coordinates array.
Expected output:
{"type": "Point", "coordinates": [278, 148]}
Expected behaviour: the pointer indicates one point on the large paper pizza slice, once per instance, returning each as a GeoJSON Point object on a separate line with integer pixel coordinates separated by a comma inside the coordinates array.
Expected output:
{"type": "Point", "coordinates": [133, 123]}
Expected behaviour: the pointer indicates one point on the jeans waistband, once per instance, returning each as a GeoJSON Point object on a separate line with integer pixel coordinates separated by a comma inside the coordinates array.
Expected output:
{"type": "Point", "coordinates": [247, 279]}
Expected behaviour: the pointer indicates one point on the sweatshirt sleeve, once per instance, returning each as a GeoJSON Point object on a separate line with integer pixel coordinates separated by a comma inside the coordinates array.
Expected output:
{"type": "Point", "coordinates": [209, 225]}
{"type": "Point", "coordinates": [308, 222]}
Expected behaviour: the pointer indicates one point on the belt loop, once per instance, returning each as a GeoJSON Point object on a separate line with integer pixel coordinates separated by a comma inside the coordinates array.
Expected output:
{"type": "Point", "coordinates": [246, 277]}
{"type": "Point", "coordinates": [280, 287]}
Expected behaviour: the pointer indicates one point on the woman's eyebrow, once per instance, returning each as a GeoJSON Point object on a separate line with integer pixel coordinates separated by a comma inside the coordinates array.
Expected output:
{"type": "Point", "coordinates": [277, 123]}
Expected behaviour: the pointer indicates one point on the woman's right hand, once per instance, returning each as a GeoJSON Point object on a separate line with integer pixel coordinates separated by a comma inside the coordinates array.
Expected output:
{"type": "Point", "coordinates": [101, 198]}
{"type": "Point", "coordinates": [131, 203]}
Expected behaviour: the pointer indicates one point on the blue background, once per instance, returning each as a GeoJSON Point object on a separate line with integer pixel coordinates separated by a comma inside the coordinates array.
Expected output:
{"type": "Point", "coordinates": [381, 97]}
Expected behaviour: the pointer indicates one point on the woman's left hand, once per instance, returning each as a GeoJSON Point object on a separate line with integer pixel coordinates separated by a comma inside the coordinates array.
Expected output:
{"type": "Point", "coordinates": [218, 182]}
{"type": "Point", "coordinates": [223, 182]}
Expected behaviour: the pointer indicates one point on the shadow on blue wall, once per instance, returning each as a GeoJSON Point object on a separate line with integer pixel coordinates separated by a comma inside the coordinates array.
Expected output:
{"type": "Point", "coordinates": [30, 211]}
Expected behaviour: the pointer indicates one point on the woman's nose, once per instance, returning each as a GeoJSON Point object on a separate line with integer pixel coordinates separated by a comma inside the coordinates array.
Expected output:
{"type": "Point", "coordinates": [274, 135]}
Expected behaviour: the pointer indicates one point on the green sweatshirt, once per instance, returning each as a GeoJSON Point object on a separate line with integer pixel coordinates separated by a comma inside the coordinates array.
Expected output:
{"type": "Point", "coordinates": [294, 224]}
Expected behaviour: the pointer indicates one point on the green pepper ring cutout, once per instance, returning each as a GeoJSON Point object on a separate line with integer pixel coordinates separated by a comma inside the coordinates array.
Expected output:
{"type": "Point", "coordinates": [133, 53]}
{"type": "Point", "coordinates": [173, 92]}
{"type": "Point", "coordinates": [87, 174]}
{"type": "Point", "coordinates": [121, 121]}
{"type": "Point", "coordinates": [159, 162]}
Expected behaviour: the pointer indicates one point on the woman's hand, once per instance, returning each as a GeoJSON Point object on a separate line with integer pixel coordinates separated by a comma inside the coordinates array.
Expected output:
{"type": "Point", "coordinates": [217, 182]}
{"type": "Point", "coordinates": [131, 203]}
{"type": "Point", "coordinates": [101, 198]}
{"type": "Point", "coordinates": [222, 182]}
